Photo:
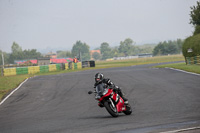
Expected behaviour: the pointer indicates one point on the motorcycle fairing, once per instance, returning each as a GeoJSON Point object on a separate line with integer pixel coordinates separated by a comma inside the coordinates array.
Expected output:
{"type": "Point", "coordinates": [107, 94]}
{"type": "Point", "coordinates": [120, 105]}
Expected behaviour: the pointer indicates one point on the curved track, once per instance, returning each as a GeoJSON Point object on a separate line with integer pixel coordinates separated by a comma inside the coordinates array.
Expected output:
{"type": "Point", "coordinates": [162, 99]}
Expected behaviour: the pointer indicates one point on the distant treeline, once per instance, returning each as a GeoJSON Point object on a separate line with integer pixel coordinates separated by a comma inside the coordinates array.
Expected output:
{"type": "Point", "coordinates": [82, 51]}
{"type": "Point", "coordinates": [168, 47]}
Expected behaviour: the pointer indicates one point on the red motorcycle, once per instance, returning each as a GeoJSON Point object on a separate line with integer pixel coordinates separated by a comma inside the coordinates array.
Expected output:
{"type": "Point", "coordinates": [109, 99]}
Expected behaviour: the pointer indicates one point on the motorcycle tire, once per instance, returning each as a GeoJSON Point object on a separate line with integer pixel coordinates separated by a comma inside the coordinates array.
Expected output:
{"type": "Point", "coordinates": [112, 111]}
{"type": "Point", "coordinates": [128, 110]}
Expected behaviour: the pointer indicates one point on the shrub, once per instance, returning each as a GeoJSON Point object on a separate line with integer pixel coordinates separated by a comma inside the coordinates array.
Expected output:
{"type": "Point", "coordinates": [197, 30]}
{"type": "Point", "coordinates": [193, 43]}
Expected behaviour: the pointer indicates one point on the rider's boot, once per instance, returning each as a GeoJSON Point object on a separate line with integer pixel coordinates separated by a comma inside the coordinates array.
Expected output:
{"type": "Point", "coordinates": [125, 100]}
{"type": "Point", "coordinates": [122, 96]}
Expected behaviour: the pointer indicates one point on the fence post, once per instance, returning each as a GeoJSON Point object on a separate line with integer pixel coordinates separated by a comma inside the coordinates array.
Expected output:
{"type": "Point", "coordinates": [198, 59]}
{"type": "Point", "coordinates": [195, 60]}
{"type": "Point", "coordinates": [2, 64]}
{"type": "Point", "coordinates": [189, 61]}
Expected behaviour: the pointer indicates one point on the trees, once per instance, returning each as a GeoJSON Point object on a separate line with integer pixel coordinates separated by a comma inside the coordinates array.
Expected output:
{"type": "Point", "coordinates": [145, 48]}
{"type": "Point", "coordinates": [68, 54]}
{"type": "Point", "coordinates": [31, 54]}
{"type": "Point", "coordinates": [104, 47]}
{"type": "Point", "coordinates": [195, 18]}
{"type": "Point", "coordinates": [115, 52]}
{"type": "Point", "coordinates": [126, 47]}
{"type": "Point", "coordinates": [105, 51]}
{"type": "Point", "coordinates": [191, 46]}
{"type": "Point", "coordinates": [170, 47]}
{"type": "Point", "coordinates": [82, 49]}
{"type": "Point", "coordinates": [195, 14]}
{"type": "Point", "coordinates": [63, 54]}
{"type": "Point", "coordinates": [192, 43]}
{"type": "Point", "coordinates": [5, 56]}
{"type": "Point", "coordinates": [96, 56]}
{"type": "Point", "coordinates": [19, 54]}
{"type": "Point", "coordinates": [179, 43]}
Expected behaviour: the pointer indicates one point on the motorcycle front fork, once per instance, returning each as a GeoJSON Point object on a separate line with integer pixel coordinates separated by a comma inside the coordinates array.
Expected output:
{"type": "Point", "coordinates": [111, 101]}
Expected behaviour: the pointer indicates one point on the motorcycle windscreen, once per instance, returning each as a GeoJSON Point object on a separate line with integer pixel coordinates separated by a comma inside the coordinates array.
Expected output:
{"type": "Point", "coordinates": [99, 89]}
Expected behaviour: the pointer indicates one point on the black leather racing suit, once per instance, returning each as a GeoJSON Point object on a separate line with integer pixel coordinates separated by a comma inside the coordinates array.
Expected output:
{"type": "Point", "coordinates": [111, 85]}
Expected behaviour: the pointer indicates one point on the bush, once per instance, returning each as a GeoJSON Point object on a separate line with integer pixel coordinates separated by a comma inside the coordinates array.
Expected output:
{"type": "Point", "coordinates": [197, 30]}
{"type": "Point", "coordinates": [193, 43]}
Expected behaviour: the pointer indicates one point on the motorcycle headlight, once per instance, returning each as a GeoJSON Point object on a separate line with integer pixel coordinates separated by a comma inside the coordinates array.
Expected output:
{"type": "Point", "coordinates": [105, 92]}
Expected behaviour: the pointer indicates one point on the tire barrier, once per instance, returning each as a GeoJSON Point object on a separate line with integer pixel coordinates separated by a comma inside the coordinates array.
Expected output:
{"type": "Point", "coordinates": [79, 65]}
{"type": "Point", "coordinates": [33, 69]}
{"type": "Point", "coordinates": [44, 69]}
{"type": "Point", "coordinates": [72, 66]}
{"type": "Point", "coordinates": [92, 63]}
{"type": "Point", "coordinates": [41, 69]}
{"type": "Point", "coordinates": [193, 60]}
{"type": "Point", "coordinates": [21, 70]}
{"type": "Point", "coordinates": [85, 64]}
{"type": "Point", "coordinates": [52, 68]}
{"type": "Point", "coordinates": [66, 66]}
{"type": "Point", "coordinates": [9, 71]}
{"type": "Point", "coordinates": [88, 64]}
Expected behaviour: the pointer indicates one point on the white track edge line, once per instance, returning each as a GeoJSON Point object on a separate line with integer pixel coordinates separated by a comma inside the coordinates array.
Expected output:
{"type": "Point", "coordinates": [12, 92]}
{"type": "Point", "coordinates": [183, 71]}
{"type": "Point", "coordinates": [181, 130]}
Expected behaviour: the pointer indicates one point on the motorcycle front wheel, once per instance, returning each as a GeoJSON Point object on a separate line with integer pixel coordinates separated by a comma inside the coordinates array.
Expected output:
{"type": "Point", "coordinates": [111, 109]}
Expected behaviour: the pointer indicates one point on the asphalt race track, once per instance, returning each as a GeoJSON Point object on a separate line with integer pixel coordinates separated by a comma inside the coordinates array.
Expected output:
{"type": "Point", "coordinates": [162, 100]}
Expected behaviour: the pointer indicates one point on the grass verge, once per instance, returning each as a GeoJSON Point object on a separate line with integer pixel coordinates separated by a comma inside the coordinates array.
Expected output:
{"type": "Point", "coordinates": [138, 61]}
{"type": "Point", "coordinates": [183, 66]}
{"type": "Point", "coordinates": [7, 83]}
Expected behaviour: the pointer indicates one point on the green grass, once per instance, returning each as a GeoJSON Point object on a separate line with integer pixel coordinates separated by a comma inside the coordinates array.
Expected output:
{"type": "Point", "coordinates": [183, 66]}
{"type": "Point", "coordinates": [7, 83]}
{"type": "Point", "coordinates": [138, 61]}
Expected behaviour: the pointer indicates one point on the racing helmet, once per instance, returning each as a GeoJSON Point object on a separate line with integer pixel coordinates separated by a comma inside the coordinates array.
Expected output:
{"type": "Point", "coordinates": [98, 77]}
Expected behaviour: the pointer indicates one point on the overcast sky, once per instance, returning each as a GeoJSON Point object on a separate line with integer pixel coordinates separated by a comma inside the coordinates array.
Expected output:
{"type": "Point", "coordinates": [41, 24]}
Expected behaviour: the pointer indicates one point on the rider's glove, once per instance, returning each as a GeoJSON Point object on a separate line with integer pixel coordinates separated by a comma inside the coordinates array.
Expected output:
{"type": "Point", "coordinates": [95, 85]}
{"type": "Point", "coordinates": [109, 82]}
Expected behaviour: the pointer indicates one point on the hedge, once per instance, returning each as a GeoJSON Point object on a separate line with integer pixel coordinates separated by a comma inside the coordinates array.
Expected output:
{"type": "Point", "coordinates": [193, 43]}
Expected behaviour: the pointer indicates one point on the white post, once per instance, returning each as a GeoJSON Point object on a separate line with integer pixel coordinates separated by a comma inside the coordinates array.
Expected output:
{"type": "Point", "coordinates": [2, 63]}
{"type": "Point", "coordinates": [2, 59]}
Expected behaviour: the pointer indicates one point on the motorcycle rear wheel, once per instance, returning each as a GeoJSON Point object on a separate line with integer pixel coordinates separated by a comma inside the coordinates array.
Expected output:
{"type": "Point", "coordinates": [111, 110]}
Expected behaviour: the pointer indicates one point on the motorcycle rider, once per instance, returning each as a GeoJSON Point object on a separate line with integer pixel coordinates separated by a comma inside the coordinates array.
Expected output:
{"type": "Point", "coordinates": [99, 78]}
